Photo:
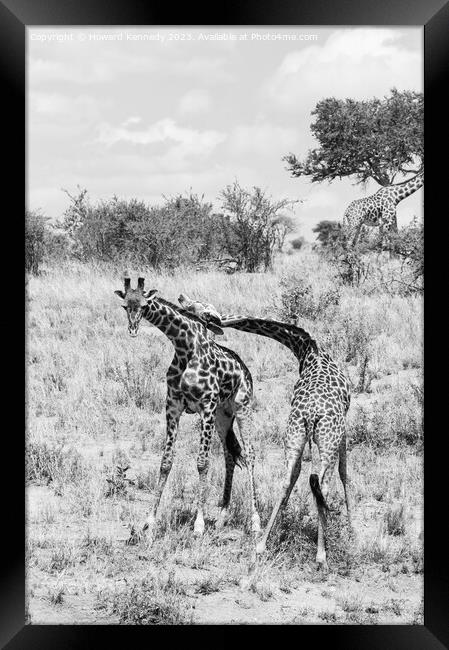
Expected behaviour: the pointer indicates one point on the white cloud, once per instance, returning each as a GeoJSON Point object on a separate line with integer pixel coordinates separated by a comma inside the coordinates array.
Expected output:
{"type": "Point", "coordinates": [134, 119]}
{"type": "Point", "coordinates": [195, 101]}
{"type": "Point", "coordinates": [57, 105]}
{"type": "Point", "coordinates": [180, 146]}
{"type": "Point", "coordinates": [196, 142]}
{"type": "Point", "coordinates": [357, 63]}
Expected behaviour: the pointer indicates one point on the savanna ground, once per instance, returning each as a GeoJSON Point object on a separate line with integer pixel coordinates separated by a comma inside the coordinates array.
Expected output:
{"type": "Point", "coordinates": [95, 402]}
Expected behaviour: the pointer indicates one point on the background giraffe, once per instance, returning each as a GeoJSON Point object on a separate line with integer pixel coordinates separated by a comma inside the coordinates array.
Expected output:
{"type": "Point", "coordinates": [379, 209]}
{"type": "Point", "coordinates": [204, 378]}
{"type": "Point", "coordinates": [320, 401]}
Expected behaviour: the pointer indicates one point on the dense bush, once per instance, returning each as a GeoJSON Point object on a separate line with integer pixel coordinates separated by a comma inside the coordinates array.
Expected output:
{"type": "Point", "coordinates": [182, 231]}
{"type": "Point", "coordinates": [301, 299]}
{"type": "Point", "coordinates": [408, 244]}
{"type": "Point", "coordinates": [297, 243]}
{"type": "Point", "coordinates": [393, 417]}
{"type": "Point", "coordinates": [51, 464]}
{"type": "Point", "coordinates": [35, 238]}
{"type": "Point", "coordinates": [356, 264]}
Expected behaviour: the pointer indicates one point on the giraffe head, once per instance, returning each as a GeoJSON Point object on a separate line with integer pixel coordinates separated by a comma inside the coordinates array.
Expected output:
{"type": "Point", "coordinates": [207, 313]}
{"type": "Point", "coordinates": [134, 301]}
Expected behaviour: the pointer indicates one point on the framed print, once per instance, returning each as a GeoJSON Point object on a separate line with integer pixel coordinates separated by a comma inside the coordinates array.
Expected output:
{"type": "Point", "coordinates": [224, 323]}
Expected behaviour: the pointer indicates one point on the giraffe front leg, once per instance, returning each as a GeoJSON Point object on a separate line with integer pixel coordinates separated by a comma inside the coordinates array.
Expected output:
{"type": "Point", "coordinates": [207, 429]}
{"type": "Point", "coordinates": [174, 409]}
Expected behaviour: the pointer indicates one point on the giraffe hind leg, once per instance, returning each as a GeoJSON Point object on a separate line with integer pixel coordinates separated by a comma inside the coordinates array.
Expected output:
{"type": "Point", "coordinates": [242, 415]}
{"type": "Point", "coordinates": [329, 447]}
{"type": "Point", "coordinates": [297, 435]}
{"type": "Point", "coordinates": [231, 450]}
{"type": "Point", "coordinates": [342, 470]}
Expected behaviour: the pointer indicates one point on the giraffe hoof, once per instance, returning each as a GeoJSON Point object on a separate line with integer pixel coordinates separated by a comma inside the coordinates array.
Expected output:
{"type": "Point", "coordinates": [134, 537]}
{"type": "Point", "coordinates": [198, 529]}
{"type": "Point", "coordinates": [222, 520]}
{"type": "Point", "coordinates": [255, 524]}
{"type": "Point", "coordinates": [145, 534]}
{"type": "Point", "coordinates": [260, 548]}
{"type": "Point", "coordinates": [244, 583]}
{"type": "Point", "coordinates": [322, 567]}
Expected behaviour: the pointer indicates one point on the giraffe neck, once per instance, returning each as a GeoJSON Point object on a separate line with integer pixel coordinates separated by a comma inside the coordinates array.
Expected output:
{"type": "Point", "coordinates": [182, 330]}
{"type": "Point", "coordinates": [295, 338]}
{"type": "Point", "coordinates": [402, 190]}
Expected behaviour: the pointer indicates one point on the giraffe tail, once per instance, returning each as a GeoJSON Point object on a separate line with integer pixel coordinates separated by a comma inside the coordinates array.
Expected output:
{"type": "Point", "coordinates": [234, 448]}
{"type": "Point", "coordinates": [316, 491]}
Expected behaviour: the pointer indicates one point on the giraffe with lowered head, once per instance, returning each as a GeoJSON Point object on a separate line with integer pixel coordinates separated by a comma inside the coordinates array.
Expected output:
{"type": "Point", "coordinates": [379, 209]}
{"type": "Point", "coordinates": [319, 405]}
{"type": "Point", "coordinates": [206, 378]}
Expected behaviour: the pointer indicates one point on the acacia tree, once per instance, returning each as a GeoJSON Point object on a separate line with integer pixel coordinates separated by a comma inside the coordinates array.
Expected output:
{"type": "Point", "coordinates": [328, 233]}
{"type": "Point", "coordinates": [377, 138]}
{"type": "Point", "coordinates": [254, 225]}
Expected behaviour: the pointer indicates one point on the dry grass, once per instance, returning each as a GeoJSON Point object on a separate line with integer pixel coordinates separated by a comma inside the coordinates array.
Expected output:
{"type": "Point", "coordinates": [96, 405]}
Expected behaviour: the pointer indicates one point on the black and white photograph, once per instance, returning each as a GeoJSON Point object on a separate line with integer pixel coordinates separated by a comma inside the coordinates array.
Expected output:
{"type": "Point", "coordinates": [224, 313]}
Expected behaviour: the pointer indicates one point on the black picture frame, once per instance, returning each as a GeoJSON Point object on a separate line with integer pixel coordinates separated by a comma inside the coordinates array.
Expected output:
{"type": "Point", "coordinates": [433, 15]}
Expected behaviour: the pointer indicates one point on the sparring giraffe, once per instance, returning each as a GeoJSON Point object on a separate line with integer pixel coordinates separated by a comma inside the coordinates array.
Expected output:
{"type": "Point", "coordinates": [320, 401]}
{"type": "Point", "coordinates": [379, 209]}
{"type": "Point", "coordinates": [206, 378]}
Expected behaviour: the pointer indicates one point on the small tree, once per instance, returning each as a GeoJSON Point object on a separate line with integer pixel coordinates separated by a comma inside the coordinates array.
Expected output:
{"type": "Point", "coordinates": [349, 260]}
{"type": "Point", "coordinates": [297, 243]}
{"type": "Point", "coordinates": [254, 226]}
{"type": "Point", "coordinates": [35, 236]}
{"type": "Point", "coordinates": [74, 218]}
{"type": "Point", "coordinates": [284, 225]}
{"type": "Point", "coordinates": [328, 233]}
{"type": "Point", "coordinates": [375, 139]}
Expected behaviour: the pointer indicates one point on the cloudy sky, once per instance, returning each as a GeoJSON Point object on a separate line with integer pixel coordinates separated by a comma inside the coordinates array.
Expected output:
{"type": "Point", "coordinates": [150, 112]}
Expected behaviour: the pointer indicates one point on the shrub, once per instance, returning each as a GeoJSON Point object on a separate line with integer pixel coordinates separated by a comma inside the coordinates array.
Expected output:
{"type": "Point", "coordinates": [35, 236]}
{"type": "Point", "coordinates": [152, 602]}
{"type": "Point", "coordinates": [255, 226]}
{"type": "Point", "coordinates": [297, 243]}
{"type": "Point", "coordinates": [392, 418]}
{"type": "Point", "coordinates": [181, 231]}
{"type": "Point", "coordinates": [408, 244]}
{"type": "Point", "coordinates": [301, 299]}
{"type": "Point", "coordinates": [46, 464]}
{"type": "Point", "coordinates": [394, 520]}
{"type": "Point", "coordinates": [328, 233]}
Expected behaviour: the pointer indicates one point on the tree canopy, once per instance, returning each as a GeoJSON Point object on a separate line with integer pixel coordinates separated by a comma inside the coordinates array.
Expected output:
{"type": "Point", "coordinates": [376, 138]}
{"type": "Point", "coordinates": [328, 232]}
